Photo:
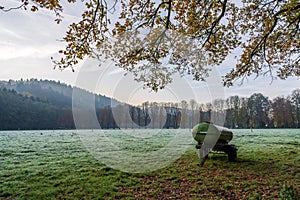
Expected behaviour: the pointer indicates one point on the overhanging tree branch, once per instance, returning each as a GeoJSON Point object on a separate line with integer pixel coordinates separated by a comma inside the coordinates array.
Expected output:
{"type": "Point", "coordinates": [211, 31]}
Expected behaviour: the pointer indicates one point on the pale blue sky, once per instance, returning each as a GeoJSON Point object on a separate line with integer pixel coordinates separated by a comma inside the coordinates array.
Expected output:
{"type": "Point", "coordinates": [28, 40]}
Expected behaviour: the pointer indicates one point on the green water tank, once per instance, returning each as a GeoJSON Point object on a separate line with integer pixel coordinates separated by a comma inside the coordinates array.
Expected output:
{"type": "Point", "coordinates": [211, 131]}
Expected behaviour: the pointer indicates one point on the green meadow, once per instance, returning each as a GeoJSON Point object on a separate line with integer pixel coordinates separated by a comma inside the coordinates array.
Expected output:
{"type": "Point", "coordinates": [56, 165]}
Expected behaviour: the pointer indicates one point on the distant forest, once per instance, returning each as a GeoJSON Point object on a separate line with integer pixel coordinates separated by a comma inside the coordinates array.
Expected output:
{"type": "Point", "coordinates": [43, 104]}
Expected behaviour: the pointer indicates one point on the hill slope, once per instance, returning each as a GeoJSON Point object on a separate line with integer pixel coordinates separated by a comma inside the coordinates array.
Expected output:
{"type": "Point", "coordinates": [52, 92]}
{"type": "Point", "coordinates": [34, 104]}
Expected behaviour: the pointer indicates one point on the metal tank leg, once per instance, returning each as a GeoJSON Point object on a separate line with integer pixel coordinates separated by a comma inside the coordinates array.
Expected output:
{"type": "Point", "coordinates": [231, 151]}
{"type": "Point", "coordinates": [203, 154]}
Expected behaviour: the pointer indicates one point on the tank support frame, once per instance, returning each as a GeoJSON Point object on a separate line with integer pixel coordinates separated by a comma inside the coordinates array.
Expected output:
{"type": "Point", "coordinates": [229, 149]}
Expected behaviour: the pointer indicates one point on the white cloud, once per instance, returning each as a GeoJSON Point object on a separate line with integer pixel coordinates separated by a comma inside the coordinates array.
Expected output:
{"type": "Point", "coordinates": [28, 40]}
{"type": "Point", "coordinates": [12, 50]}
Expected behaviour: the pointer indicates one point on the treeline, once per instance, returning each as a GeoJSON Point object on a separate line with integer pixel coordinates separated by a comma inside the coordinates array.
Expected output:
{"type": "Point", "coordinates": [148, 115]}
{"type": "Point", "coordinates": [43, 104]}
{"type": "Point", "coordinates": [256, 111]}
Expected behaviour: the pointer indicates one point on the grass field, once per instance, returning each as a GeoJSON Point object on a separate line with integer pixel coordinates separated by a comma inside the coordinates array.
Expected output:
{"type": "Point", "coordinates": [56, 165]}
